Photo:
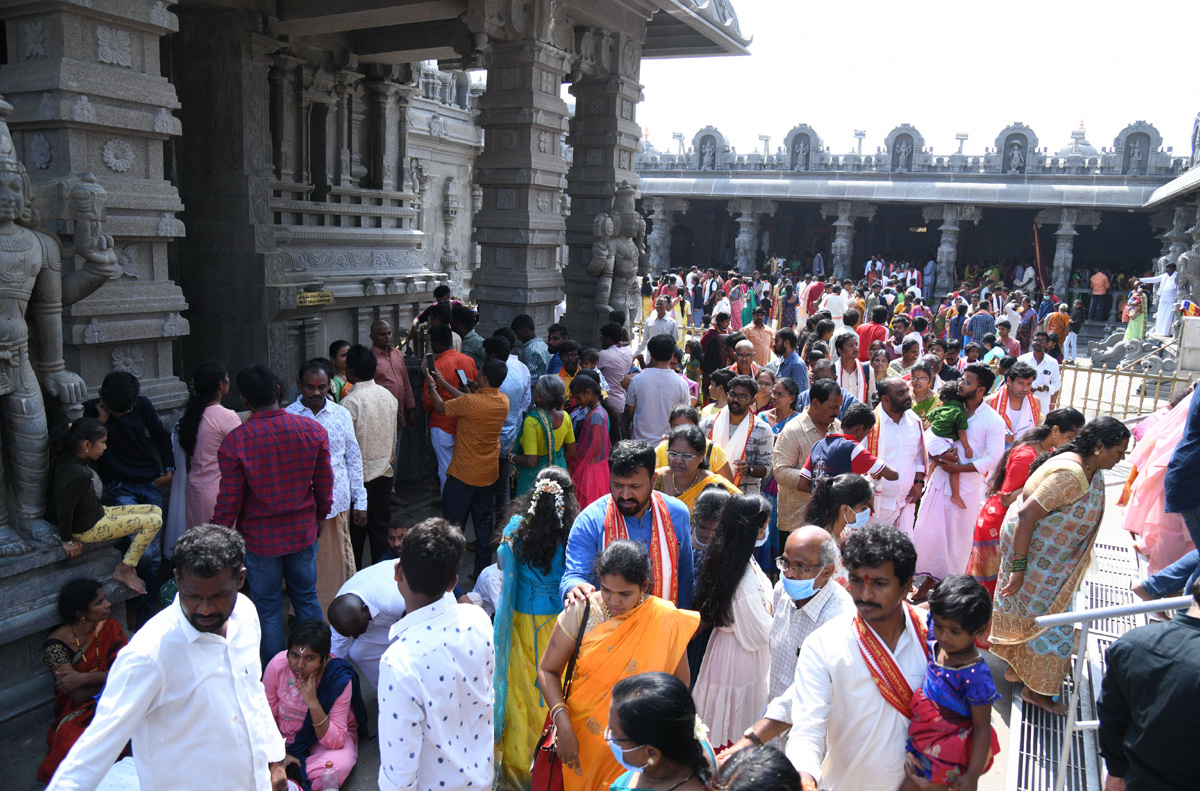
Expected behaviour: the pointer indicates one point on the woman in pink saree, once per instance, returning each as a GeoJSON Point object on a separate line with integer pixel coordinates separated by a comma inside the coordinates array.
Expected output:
{"type": "Point", "coordinates": [1160, 536]}
{"type": "Point", "coordinates": [589, 465]}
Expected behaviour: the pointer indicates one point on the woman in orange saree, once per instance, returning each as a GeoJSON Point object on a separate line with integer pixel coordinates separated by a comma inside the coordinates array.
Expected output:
{"type": "Point", "coordinates": [79, 654]}
{"type": "Point", "coordinates": [627, 631]}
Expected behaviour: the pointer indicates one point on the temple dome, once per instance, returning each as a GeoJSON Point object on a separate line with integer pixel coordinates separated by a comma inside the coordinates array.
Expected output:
{"type": "Point", "coordinates": [1081, 147]}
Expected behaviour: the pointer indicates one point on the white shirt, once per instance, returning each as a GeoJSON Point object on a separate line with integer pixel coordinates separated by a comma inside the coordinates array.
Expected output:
{"type": "Point", "coordinates": [723, 306]}
{"type": "Point", "coordinates": [844, 733]}
{"type": "Point", "coordinates": [376, 586]}
{"type": "Point", "coordinates": [516, 389]}
{"type": "Point", "coordinates": [656, 326]}
{"type": "Point", "coordinates": [1047, 374]}
{"type": "Point", "coordinates": [436, 700]}
{"type": "Point", "coordinates": [344, 454]}
{"type": "Point", "coordinates": [192, 703]}
{"type": "Point", "coordinates": [900, 447]}
{"type": "Point", "coordinates": [653, 394]}
{"type": "Point", "coordinates": [836, 305]}
{"type": "Point", "coordinates": [1021, 418]}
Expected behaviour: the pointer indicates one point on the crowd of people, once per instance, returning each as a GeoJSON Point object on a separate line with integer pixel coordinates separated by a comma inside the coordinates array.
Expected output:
{"type": "Point", "coordinates": [767, 558]}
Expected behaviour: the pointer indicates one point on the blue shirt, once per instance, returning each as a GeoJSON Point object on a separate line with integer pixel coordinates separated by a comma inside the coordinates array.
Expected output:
{"type": "Point", "coordinates": [792, 368]}
{"type": "Point", "coordinates": [587, 542]}
{"type": "Point", "coordinates": [1180, 487]}
{"type": "Point", "coordinates": [555, 364]}
{"type": "Point", "coordinates": [955, 328]}
{"type": "Point", "coordinates": [979, 325]}
{"type": "Point", "coordinates": [805, 398]}
{"type": "Point", "coordinates": [514, 388]}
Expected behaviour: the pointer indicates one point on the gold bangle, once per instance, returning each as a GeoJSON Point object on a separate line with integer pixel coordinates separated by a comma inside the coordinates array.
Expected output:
{"type": "Point", "coordinates": [560, 707]}
{"type": "Point", "coordinates": [322, 722]}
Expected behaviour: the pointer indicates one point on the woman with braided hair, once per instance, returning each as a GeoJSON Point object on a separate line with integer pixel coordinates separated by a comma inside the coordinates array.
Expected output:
{"type": "Point", "coordinates": [734, 597]}
{"type": "Point", "coordinates": [532, 554]}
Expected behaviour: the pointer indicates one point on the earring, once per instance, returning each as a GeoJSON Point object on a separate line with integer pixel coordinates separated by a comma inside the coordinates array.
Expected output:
{"type": "Point", "coordinates": [1097, 453]}
{"type": "Point", "coordinates": [649, 762]}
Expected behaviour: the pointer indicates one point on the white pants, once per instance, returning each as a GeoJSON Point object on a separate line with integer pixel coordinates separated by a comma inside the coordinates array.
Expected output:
{"type": "Point", "coordinates": [443, 448]}
{"type": "Point", "coordinates": [1069, 347]}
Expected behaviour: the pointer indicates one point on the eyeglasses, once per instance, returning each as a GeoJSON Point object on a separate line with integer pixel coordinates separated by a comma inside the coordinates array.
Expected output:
{"type": "Point", "coordinates": [687, 457]}
{"type": "Point", "coordinates": [740, 396]}
{"type": "Point", "coordinates": [745, 355]}
{"type": "Point", "coordinates": [783, 564]}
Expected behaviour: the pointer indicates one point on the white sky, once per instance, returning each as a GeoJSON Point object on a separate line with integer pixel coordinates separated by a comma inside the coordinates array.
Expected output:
{"type": "Point", "coordinates": [944, 66]}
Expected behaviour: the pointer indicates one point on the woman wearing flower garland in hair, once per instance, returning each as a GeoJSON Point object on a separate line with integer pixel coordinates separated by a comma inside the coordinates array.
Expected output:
{"type": "Point", "coordinates": [532, 552]}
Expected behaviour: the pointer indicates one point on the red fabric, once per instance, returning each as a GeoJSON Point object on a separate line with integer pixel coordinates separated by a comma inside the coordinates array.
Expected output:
{"type": "Point", "coordinates": [814, 296]}
{"type": "Point", "coordinates": [943, 739]}
{"type": "Point", "coordinates": [447, 363]}
{"type": "Point", "coordinates": [276, 481]}
{"type": "Point", "coordinates": [867, 334]}
{"type": "Point", "coordinates": [71, 718]}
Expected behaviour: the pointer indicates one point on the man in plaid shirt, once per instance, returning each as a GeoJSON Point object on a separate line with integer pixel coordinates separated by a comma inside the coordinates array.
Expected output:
{"type": "Point", "coordinates": [276, 485]}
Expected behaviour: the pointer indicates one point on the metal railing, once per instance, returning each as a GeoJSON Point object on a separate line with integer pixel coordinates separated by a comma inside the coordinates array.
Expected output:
{"type": "Point", "coordinates": [1085, 618]}
{"type": "Point", "coordinates": [1121, 394]}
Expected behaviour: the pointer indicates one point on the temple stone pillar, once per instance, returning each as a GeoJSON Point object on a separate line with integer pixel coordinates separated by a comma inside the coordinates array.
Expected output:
{"type": "Point", "coordinates": [88, 95]}
{"type": "Point", "coordinates": [1064, 243]}
{"type": "Point", "coordinates": [842, 249]}
{"type": "Point", "coordinates": [520, 226]}
{"type": "Point", "coordinates": [1188, 263]}
{"type": "Point", "coordinates": [947, 253]}
{"type": "Point", "coordinates": [662, 216]}
{"type": "Point", "coordinates": [746, 212]}
{"type": "Point", "coordinates": [604, 137]}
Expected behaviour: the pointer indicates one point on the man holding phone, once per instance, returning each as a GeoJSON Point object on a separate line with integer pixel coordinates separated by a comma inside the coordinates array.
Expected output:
{"type": "Point", "coordinates": [448, 363]}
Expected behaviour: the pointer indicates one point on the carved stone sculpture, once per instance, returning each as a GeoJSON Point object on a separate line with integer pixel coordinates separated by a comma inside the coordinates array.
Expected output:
{"type": "Point", "coordinates": [31, 355]}
{"type": "Point", "coordinates": [1016, 160]}
{"type": "Point", "coordinates": [802, 150]}
{"type": "Point", "coordinates": [903, 152]}
{"type": "Point", "coordinates": [601, 265]}
{"type": "Point", "coordinates": [1188, 277]}
{"type": "Point", "coordinates": [1135, 157]}
{"type": "Point", "coordinates": [629, 257]}
{"type": "Point", "coordinates": [708, 156]}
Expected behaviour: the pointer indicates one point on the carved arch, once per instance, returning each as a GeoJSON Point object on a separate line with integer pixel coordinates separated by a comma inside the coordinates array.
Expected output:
{"type": "Point", "coordinates": [903, 135]}
{"type": "Point", "coordinates": [709, 135]}
{"type": "Point", "coordinates": [1143, 135]}
{"type": "Point", "coordinates": [802, 133]}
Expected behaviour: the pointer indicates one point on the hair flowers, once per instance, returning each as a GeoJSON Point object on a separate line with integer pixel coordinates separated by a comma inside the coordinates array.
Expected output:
{"type": "Point", "coordinates": [547, 486]}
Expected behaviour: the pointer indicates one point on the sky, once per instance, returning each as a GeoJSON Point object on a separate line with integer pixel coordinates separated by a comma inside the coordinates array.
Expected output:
{"type": "Point", "coordinates": [943, 66]}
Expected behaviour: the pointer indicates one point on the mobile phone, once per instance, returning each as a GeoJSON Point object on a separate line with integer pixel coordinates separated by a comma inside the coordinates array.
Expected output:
{"type": "Point", "coordinates": [429, 362]}
{"type": "Point", "coordinates": [462, 376]}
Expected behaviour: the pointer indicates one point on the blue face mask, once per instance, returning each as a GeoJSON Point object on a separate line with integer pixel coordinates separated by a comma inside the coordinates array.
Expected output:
{"type": "Point", "coordinates": [798, 590]}
{"type": "Point", "coordinates": [619, 754]}
{"type": "Point", "coordinates": [860, 519]}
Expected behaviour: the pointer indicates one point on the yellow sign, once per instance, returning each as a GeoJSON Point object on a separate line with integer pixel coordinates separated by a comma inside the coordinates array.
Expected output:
{"type": "Point", "coordinates": [306, 298]}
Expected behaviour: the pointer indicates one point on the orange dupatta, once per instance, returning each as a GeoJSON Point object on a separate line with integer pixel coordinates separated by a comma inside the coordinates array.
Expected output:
{"type": "Point", "coordinates": [884, 672]}
{"type": "Point", "coordinates": [999, 402]}
{"type": "Point", "coordinates": [664, 547]}
{"type": "Point", "coordinates": [652, 637]}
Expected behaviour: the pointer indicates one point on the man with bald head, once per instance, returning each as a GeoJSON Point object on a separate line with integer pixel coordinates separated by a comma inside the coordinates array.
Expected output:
{"type": "Point", "coordinates": [896, 438]}
{"type": "Point", "coordinates": [805, 598]}
{"type": "Point", "coordinates": [391, 374]}
{"type": "Point", "coordinates": [362, 615]}
{"type": "Point", "coordinates": [743, 364]}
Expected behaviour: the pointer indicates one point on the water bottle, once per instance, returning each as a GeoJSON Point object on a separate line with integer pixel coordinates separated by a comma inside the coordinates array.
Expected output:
{"type": "Point", "coordinates": [329, 777]}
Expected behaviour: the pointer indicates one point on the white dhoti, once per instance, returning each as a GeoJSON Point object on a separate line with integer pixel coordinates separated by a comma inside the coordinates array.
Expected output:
{"type": "Point", "coordinates": [902, 517]}
{"type": "Point", "coordinates": [945, 533]}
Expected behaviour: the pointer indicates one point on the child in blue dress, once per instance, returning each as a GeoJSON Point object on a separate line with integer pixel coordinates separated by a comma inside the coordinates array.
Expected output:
{"type": "Point", "coordinates": [950, 739]}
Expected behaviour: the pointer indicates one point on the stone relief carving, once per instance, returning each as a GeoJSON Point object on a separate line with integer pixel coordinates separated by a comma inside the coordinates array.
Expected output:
{"type": "Point", "coordinates": [1016, 159]}
{"type": "Point", "coordinates": [165, 123]}
{"type": "Point", "coordinates": [130, 359]}
{"type": "Point", "coordinates": [601, 264]}
{"type": "Point", "coordinates": [117, 154]}
{"type": "Point", "coordinates": [159, 15]}
{"type": "Point", "coordinates": [95, 332]}
{"type": "Point", "coordinates": [83, 111]}
{"type": "Point", "coordinates": [35, 39]}
{"type": "Point", "coordinates": [545, 141]}
{"type": "Point", "coordinates": [437, 126]}
{"type": "Point", "coordinates": [113, 46]}
{"type": "Point", "coordinates": [39, 151]}
{"type": "Point", "coordinates": [127, 263]}
{"type": "Point", "coordinates": [172, 326]}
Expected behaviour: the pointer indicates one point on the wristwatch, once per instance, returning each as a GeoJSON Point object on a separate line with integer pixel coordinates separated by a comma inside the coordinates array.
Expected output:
{"type": "Point", "coordinates": [752, 736]}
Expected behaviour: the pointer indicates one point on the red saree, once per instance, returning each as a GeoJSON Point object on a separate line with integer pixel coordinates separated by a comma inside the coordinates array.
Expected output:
{"type": "Point", "coordinates": [70, 717]}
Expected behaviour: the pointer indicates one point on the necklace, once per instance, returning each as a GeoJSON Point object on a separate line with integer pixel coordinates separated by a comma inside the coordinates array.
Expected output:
{"type": "Point", "coordinates": [681, 782]}
{"type": "Point", "coordinates": [675, 482]}
{"type": "Point", "coordinates": [83, 652]}
{"type": "Point", "coordinates": [19, 242]}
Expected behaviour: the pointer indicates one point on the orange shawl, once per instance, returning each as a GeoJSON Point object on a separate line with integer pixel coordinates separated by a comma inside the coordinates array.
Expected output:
{"type": "Point", "coordinates": [653, 637]}
{"type": "Point", "coordinates": [999, 402]}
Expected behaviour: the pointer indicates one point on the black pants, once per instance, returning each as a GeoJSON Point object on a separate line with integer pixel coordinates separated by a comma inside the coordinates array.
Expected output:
{"type": "Point", "coordinates": [1098, 310]}
{"type": "Point", "coordinates": [379, 515]}
{"type": "Point", "coordinates": [502, 490]}
{"type": "Point", "coordinates": [460, 500]}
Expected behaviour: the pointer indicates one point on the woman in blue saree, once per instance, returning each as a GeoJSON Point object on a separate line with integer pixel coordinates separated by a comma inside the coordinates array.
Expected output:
{"type": "Point", "coordinates": [532, 555]}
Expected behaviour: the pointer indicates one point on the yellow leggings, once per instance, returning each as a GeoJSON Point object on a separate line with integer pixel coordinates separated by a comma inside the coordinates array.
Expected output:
{"type": "Point", "coordinates": [121, 520]}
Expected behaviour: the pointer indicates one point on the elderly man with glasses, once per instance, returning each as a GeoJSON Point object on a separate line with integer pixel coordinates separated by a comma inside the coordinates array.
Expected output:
{"type": "Point", "coordinates": [806, 584]}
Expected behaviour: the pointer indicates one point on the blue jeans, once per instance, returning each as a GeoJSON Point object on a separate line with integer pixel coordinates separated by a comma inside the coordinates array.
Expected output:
{"type": "Point", "coordinates": [265, 577]}
{"type": "Point", "coordinates": [125, 493]}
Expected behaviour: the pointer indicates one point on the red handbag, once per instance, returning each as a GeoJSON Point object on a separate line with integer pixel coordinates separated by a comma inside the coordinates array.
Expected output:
{"type": "Point", "coordinates": [546, 774]}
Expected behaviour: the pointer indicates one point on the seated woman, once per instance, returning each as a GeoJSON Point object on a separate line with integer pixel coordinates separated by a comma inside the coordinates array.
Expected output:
{"type": "Point", "coordinates": [79, 654]}
{"type": "Point", "coordinates": [655, 735]}
{"type": "Point", "coordinates": [317, 704]}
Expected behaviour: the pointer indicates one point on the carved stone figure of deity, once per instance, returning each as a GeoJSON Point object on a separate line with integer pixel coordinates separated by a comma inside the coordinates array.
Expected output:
{"type": "Point", "coordinates": [1188, 277]}
{"type": "Point", "coordinates": [903, 152]}
{"type": "Point", "coordinates": [1016, 160]}
{"type": "Point", "coordinates": [801, 149]}
{"type": "Point", "coordinates": [947, 254]}
{"type": "Point", "coordinates": [1135, 157]}
{"type": "Point", "coordinates": [708, 156]}
{"type": "Point", "coordinates": [31, 356]}
{"type": "Point", "coordinates": [601, 265]}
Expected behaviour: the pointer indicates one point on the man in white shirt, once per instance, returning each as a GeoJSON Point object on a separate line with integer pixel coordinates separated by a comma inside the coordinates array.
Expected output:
{"type": "Point", "coordinates": [835, 303]}
{"type": "Point", "coordinates": [897, 440]}
{"type": "Point", "coordinates": [334, 566]}
{"type": "Point", "coordinates": [186, 689]}
{"type": "Point", "coordinates": [846, 736]}
{"type": "Point", "coordinates": [1168, 292]}
{"type": "Point", "coordinates": [440, 663]}
{"type": "Point", "coordinates": [1015, 402]}
{"type": "Point", "coordinates": [362, 616]}
{"type": "Point", "coordinates": [805, 598]}
{"type": "Point", "coordinates": [654, 392]}
{"type": "Point", "coordinates": [616, 358]}
{"type": "Point", "coordinates": [1048, 381]}
{"type": "Point", "coordinates": [944, 531]}
{"type": "Point", "coordinates": [662, 323]}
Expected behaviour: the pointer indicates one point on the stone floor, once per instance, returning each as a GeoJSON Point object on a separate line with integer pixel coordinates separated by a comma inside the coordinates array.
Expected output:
{"type": "Point", "coordinates": [28, 752]}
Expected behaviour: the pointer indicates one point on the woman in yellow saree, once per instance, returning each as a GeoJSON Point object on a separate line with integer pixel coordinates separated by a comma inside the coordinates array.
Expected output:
{"type": "Point", "coordinates": [687, 473]}
{"type": "Point", "coordinates": [627, 632]}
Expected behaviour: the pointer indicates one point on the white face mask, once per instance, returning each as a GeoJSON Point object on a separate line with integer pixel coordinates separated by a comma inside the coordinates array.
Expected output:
{"type": "Point", "coordinates": [860, 518]}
